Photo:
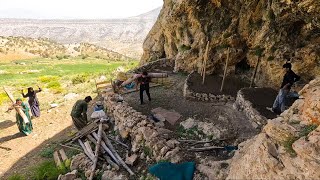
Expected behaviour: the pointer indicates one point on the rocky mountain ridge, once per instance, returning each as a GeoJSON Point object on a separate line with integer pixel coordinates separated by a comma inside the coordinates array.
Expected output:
{"type": "Point", "coordinates": [121, 35]}
{"type": "Point", "coordinates": [15, 47]}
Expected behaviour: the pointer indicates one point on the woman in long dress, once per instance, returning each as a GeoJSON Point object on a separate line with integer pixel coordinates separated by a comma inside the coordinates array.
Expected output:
{"type": "Point", "coordinates": [33, 101]}
{"type": "Point", "coordinates": [25, 128]}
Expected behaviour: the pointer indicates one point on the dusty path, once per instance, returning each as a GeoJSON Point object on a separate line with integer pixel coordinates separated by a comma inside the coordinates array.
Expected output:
{"type": "Point", "coordinates": [18, 152]}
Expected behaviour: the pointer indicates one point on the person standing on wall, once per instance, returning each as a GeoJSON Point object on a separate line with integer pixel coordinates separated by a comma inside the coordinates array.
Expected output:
{"type": "Point", "coordinates": [289, 79]}
{"type": "Point", "coordinates": [144, 82]}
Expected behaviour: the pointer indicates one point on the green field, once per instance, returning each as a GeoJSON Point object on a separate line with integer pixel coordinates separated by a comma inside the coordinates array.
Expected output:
{"type": "Point", "coordinates": [55, 74]}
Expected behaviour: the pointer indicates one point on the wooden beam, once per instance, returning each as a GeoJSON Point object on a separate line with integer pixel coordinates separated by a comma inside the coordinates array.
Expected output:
{"type": "Point", "coordinates": [96, 152]}
{"type": "Point", "coordinates": [70, 147]}
{"type": "Point", "coordinates": [20, 112]}
{"type": "Point", "coordinates": [92, 139]}
{"type": "Point", "coordinates": [255, 72]}
{"type": "Point", "coordinates": [85, 149]}
{"type": "Point", "coordinates": [225, 70]}
{"type": "Point", "coordinates": [57, 158]}
{"type": "Point", "coordinates": [107, 141]}
{"type": "Point", "coordinates": [64, 157]}
{"type": "Point", "coordinates": [205, 62]}
{"type": "Point", "coordinates": [105, 147]}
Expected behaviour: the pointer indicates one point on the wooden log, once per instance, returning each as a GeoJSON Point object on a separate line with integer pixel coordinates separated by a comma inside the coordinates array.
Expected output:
{"type": "Point", "coordinates": [70, 147]}
{"type": "Point", "coordinates": [119, 142]}
{"type": "Point", "coordinates": [105, 147]}
{"type": "Point", "coordinates": [64, 157]}
{"type": "Point", "coordinates": [114, 165]}
{"type": "Point", "coordinates": [19, 111]}
{"type": "Point", "coordinates": [57, 158]}
{"type": "Point", "coordinates": [92, 139]}
{"type": "Point", "coordinates": [89, 149]}
{"type": "Point", "coordinates": [135, 90]}
{"type": "Point", "coordinates": [255, 72]}
{"type": "Point", "coordinates": [225, 71]}
{"type": "Point", "coordinates": [205, 62]}
{"type": "Point", "coordinates": [96, 152]}
{"type": "Point", "coordinates": [83, 132]}
{"type": "Point", "coordinates": [85, 149]}
{"type": "Point", "coordinates": [205, 148]}
{"type": "Point", "coordinates": [107, 141]}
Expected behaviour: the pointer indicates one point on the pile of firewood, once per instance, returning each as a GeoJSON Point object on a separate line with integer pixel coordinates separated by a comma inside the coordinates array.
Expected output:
{"type": "Point", "coordinates": [104, 150]}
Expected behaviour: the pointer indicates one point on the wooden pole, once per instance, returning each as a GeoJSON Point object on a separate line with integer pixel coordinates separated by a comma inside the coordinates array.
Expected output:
{"type": "Point", "coordinates": [108, 143]}
{"type": "Point", "coordinates": [56, 158]}
{"type": "Point", "coordinates": [96, 152]}
{"type": "Point", "coordinates": [64, 157]}
{"type": "Point", "coordinates": [70, 147]}
{"type": "Point", "coordinates": [105, 147]}
{"type": "Point", "coordinates": [225, 70]}
{"type": "Point", "coordinates": [255, 73]}
{"type": "Point", "coordinates": [85, 149]}
{"type": "Point", "coordinates": [103, 151]}
{"type": "Point", "coordinates": [205, 63]}
{"type": "Point", "coordinates": [20, 112]}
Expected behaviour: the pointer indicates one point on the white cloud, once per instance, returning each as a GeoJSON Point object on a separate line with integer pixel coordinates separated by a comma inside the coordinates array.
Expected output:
{"type": "Point", "coordinates": [77, 9]}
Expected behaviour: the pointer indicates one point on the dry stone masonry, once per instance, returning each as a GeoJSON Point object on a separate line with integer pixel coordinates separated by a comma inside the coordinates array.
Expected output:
{"type": "Point", "coordinates": [145, 135]}
{"type": "Point", "coordinates": [188, 93]}
{"type": "Point", "coordinates": [288, 147]}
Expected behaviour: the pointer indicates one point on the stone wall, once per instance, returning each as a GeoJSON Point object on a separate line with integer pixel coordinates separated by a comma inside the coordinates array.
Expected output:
{"type": "Point", "coordinates": [288, 147]}
{"type": "Point", "coordinates": [144, 133]}
{"type": "Point", "coordinates": [188, 93]}
{"type": "Point", "coordinates": [242, 104]}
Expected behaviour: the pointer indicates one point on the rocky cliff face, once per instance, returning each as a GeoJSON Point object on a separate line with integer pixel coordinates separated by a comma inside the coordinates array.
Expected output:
{"type": "Point", "coordinates": [288, 147]}
{"type": "Point", "coordinates": [272, 29]}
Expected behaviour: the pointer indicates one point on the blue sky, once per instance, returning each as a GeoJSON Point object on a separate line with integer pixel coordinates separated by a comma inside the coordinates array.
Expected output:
{"type": "Point", "coordinates": [75, 9]}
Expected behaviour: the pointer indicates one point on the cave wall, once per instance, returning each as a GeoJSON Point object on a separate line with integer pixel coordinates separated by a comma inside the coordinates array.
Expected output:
{"type": "Point", "coordinates": [270, 29]}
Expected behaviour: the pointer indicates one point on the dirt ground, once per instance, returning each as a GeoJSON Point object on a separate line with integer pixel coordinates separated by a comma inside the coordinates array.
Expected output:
{"type": "Point", "coordinates": [261, 98]}
{"type": "Point", "coordinates": [212, 84]}
{"type": "Point", "coordinates": [18, 152]}
{"type": "Point", "coordinates": [171, 98]}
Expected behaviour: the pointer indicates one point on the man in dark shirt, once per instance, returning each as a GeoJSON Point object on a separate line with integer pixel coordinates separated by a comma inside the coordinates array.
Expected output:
{"type": "Point", "coordinates": [289, 79]}
{"type": "Point", "coordinates": [79, 113]}
{"type": "Point", "coordinates": [144, 81]}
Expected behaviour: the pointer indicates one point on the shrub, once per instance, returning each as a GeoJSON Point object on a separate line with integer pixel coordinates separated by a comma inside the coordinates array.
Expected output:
{"type": "Point", "coordinates": [16, 177]}
{"type": "Point", "coordinates": [307, 129]}
{"type": "Point", "coordinates": [289, 141]}
{"type": "Point", "coordinates": [184, 48]}
{"type": "Point", "coordinates": [81, 78]}
{"type": "Point", "coordinates": [258, 51]}
{"type": "Point", "coordinates": [3, 98]}
{"type": "Point", "coordinates": [47, 170]}
{"type": "Point", "coordinates": [47, 153]}
{"type": "Point", "coordinates": [55, 86]}
{"type": "Point", "coordinates": [47, 79]}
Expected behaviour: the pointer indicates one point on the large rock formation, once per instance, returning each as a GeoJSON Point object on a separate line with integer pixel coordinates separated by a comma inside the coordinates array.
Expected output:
{"type": "Point", "coordinates": [288, 147]}
{"type": "Point", "coordinates": [272, 29]}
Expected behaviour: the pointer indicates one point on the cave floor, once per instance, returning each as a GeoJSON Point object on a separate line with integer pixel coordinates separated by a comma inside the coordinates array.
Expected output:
{"type": "Point", "coordinates": [212, 84]}
{"type": "Point", "coordinates": [170, 97]}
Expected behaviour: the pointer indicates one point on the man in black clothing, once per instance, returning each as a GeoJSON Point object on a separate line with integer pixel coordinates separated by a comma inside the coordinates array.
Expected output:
{"type": "Point", "coordinates": [289, 79]}
{"type": "Point", "coordinates": [144, 81]}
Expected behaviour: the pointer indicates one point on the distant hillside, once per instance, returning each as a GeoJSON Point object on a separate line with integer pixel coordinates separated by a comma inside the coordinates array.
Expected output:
{"type": "Point", "coordinates": [12, 48]}
{"type": "Point", "coordinates": [121, 35]}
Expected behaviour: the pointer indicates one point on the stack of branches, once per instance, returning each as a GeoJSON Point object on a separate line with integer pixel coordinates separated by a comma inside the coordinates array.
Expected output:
{"type": "Point", "coordinates": [95, 134]}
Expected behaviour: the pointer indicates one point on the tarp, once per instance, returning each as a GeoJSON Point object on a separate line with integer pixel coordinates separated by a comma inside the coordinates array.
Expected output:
{"type": "Point", "coordinates": [170, 171]}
